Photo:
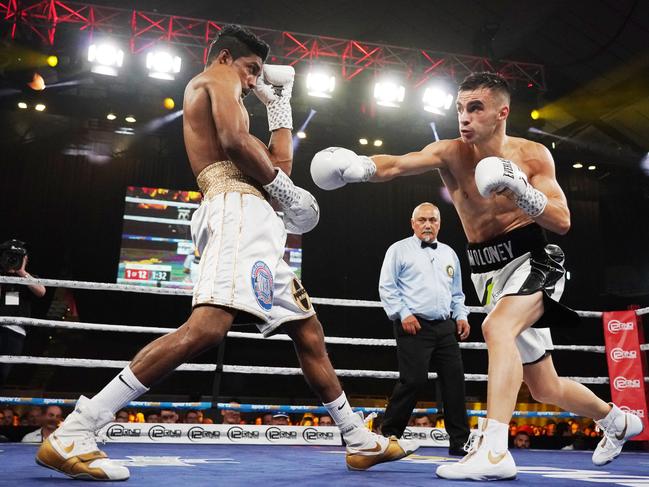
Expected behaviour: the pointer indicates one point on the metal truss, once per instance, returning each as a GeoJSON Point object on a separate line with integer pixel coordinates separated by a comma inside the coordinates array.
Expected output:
{"type": "Point", "coordinates": [191, 37]}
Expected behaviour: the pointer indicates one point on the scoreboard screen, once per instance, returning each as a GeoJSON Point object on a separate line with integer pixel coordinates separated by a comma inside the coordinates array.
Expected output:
{"type": "Point", "coordinates": [157, 248]}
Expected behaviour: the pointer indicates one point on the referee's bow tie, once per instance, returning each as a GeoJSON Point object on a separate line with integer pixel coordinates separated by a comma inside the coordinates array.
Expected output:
{"type": "Point", "coordinates": [432, 245]}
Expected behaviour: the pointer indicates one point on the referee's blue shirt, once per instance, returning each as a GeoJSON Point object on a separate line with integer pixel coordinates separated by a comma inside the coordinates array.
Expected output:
{"type": "Point", "coordinates": [421, 281]}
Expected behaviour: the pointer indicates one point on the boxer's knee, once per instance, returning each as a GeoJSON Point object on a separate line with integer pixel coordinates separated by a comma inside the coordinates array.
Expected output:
{"type": "Point", "coordinates": [496, 331]}
{"type": "Point", "coordinates": [205, 328]}
{"type": "Point", "coordinates": [307, 335]}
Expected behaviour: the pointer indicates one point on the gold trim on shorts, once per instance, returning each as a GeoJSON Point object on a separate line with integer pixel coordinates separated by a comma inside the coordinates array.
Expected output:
{"type": "Point", "coordinates": [226, 177]}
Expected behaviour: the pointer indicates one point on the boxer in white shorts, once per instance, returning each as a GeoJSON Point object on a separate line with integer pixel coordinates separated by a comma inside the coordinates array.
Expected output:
{"type": "Point", "coordinates": [502, 188]}
{"type": "Point", "coordinates": [241, 240]}
{"type": "Point", "coordinates": [241, 243]}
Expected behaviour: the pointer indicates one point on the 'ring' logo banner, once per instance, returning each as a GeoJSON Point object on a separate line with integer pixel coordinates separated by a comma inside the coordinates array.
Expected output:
{"type": "Point", "coordinates": [615, 325]}
{"type": "Point", "coordinates": [620, 383]}
{"type": "Point", "coordinates": [618, 354]}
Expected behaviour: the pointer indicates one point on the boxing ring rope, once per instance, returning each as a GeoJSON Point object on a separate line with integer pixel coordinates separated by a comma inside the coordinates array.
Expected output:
{"type": "Point", "coordinates": [385, 342]}
{"type": "Point", "coordinates": [94, 363]}
{"type": "Point", "coordinates": [257, 408]}
{"type": "Point", "coordinates": [105, 286]}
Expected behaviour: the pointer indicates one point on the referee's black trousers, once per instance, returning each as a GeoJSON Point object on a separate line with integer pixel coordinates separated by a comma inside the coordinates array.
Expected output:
{"type": "Point", "coordinates": [436, 342]}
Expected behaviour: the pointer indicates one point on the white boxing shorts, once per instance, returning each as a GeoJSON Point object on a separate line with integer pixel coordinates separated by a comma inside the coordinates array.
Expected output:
{"type": "Point", "coordinates": [241, 242]}
{"type": "Point", "coordinates": [521, 262]}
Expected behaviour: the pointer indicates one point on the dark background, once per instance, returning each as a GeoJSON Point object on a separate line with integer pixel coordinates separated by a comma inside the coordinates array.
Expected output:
{"type": "Point", "coordinates": [69, 208]}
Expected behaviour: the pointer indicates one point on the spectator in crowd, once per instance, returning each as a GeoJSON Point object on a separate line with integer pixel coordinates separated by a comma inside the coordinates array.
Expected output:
{"type": "Point", "coordinates": [35, 416]}
{"type": "Point", "coordinates": [152, 416]}
{"type": "Point", "coordinates": [122, 416]}
{"type": "Point", "coordinates": [51, 420]}
{"type": "Point", "coordinates": [522, 439]}
{"type": "Point", "coordinates": [192, 416]}
{"type": "Point", "coordinates": [423, 421]}
{"type": "Point", "coordinates": [231, 416]}
{"type": "Point", "coordinates": [513, 428]}
{"type": "Point", "coordinates": [325, 420]}
{"type": "Point", "coordinates": [550, 428]}
{"type": "Point", "coordinates": [280, 419]}
{"type": "Point", "coordinates": [168, 416]}
{"type": "Point", "coordinates": [267, 418]}
{"type": "Point", "coordinates": [307, 420]}
{"type": "Point", "coordinates": [563, 429]}
{"type": "Point", "coordinates": [575, 428]}
{"type": "Point", "coordinates": [8, 417]}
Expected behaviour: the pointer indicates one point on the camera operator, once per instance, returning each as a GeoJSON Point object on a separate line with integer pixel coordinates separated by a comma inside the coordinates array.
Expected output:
{"type": "Point", "coordinates": [15, 300]}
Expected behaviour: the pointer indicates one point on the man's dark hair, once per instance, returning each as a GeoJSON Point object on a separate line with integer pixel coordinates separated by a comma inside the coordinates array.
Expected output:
{"type": "Point", "coordinates": [491, 81]}
{"type": "Point", "coordinates": [239, 42]}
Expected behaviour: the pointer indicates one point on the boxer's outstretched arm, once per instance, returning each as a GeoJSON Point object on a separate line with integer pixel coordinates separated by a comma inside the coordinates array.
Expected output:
{"type": "Point", "coordinates": [231, 125]}
{"type": "Point", "coordinates": [389, 167]}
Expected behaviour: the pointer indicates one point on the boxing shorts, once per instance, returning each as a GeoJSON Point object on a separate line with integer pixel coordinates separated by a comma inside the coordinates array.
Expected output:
{"type": "Point", "coordinates": [521, 262]}
{"type": "Point", "coordinates": [241, 242]}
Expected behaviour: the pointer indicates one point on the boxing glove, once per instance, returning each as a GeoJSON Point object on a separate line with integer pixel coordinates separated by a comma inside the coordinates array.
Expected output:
{"type": "Point", "coordinates": [300, 208]}
{"type": "Point", "coordinates": [495, 174]}
{"type": "Point", "coordinates": [334, 167]}
{"type": "Point", "coordinates": [274, 89]}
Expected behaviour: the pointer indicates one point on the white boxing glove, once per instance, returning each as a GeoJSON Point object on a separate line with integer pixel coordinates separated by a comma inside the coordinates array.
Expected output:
{"type": "Point", "coordinates": [495, 174]}
{"type": "Point", "coordinates": [301, 211]}
{"type": "Point", "coordinates": [274, 88]}
{"type": "Point", "coordinates": [334, 167]}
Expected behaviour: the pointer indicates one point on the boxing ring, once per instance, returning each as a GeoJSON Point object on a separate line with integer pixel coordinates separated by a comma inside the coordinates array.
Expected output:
{"type": "Point", "coordinates": [312, 456]}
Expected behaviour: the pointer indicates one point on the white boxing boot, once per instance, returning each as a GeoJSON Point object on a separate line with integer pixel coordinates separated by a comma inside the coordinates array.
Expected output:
{"type": "Point", "coordinates": [487, 455]}
{"type": "Point", "coordinates": [72, 448]}
{"type": "Point", "coordinates": [366, 449]}
{"type": "Point", "coordinates": [617, 426]}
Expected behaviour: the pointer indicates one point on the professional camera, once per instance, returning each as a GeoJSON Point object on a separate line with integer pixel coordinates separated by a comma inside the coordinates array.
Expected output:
{"type": "Point", "coordinates": [12, 253]}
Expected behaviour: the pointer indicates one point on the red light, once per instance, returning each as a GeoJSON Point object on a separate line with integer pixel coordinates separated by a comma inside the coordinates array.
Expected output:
{"type": "Point", "coordinates": [529, 85]}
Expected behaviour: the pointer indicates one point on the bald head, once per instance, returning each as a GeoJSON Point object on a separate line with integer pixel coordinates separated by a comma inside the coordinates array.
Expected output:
{"type": "Point", "coordinates": [423, 206]}
{"type": "Point", "coordinates": [425, 221]}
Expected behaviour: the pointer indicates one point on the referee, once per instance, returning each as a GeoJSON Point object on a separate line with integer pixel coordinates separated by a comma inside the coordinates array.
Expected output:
{"type": "Point", "coordinates": [421, 291]}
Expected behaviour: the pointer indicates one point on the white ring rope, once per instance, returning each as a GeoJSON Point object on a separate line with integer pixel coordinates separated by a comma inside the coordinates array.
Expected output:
{"type": "Point", "coordinates": [388, 342]}
{"type": "Point", "coordinates": [105, 286]}
{"type": "Point", "coordinates": [247, 369]}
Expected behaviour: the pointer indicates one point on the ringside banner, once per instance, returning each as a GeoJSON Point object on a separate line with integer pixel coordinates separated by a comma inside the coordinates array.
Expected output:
{"type": "Point", "coordinates": [622, 338]}
{"type": "Point", "coordinates": [247, 434]}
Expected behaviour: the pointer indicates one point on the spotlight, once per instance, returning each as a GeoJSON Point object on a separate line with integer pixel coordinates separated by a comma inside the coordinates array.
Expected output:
{"type": "Point", "coordinates": [130, 119]}
{"type": "Point", "coordinates": [378, 143]}
{"type": "Point", "coordinates": [111, 116]}
{"type": "Point", "coordinates": [52, 61]}
{"type": "Point", "coordinates": [535, 114]}
{"type": "Point", "coordinates": [389, 94]}
{"type": "Point", "coordinates": [169, 103]}
{"type": "Point", "coordinates": [301, 135]}
{"type": "Point", "coordinates": [320, 84]}
{"type": "Point", "coordinates": [554, 145]}
{"type": "Point", "coordinates": [162, 65]}
{"type": "Point", "coordinates": [39, 107]}
{"type": "Point", "coordinates": [437, 100]}
{"type": "Point", "coordinates": [577, 165]}
{"type": "Point", "coordinates": [37, 83]}
{"type": "Point", "coordinates": [22, 105]}
{"type": "Point", "coordinates": [592, 167]}
{"type": "Point", "coordinates": [362, 141]}
{"type": "Point", "coordinates": [106, 58]}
